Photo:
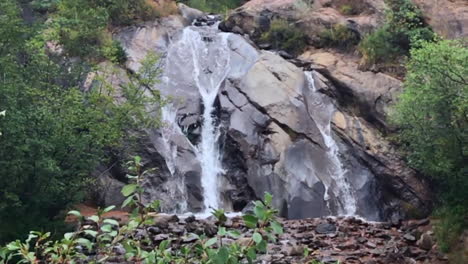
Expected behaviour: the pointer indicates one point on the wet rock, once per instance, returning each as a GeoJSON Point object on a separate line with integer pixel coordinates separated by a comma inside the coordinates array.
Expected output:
{"type": "Point", "coordinates": [325, 228]}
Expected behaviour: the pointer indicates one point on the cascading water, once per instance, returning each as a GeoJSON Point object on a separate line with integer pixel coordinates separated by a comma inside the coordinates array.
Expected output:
{"type": "Point", "coordinates": [322, 115]}
{"type": "Point", "coordinates": [209, 52]}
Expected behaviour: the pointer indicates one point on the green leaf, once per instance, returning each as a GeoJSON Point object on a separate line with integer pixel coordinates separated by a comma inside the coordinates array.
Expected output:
{"type": "Point", "coordinates": [277, 228]}
{"type": "Point", "coordinates": [85, 242]}
{"type": "Point", "coordinates": [260, 212]}
{"type": "Point", "coordinates": [108, 209]}
{"type": "Point", "coordinates": [251, 254]}
{"type": "Point", "coordinates": [222, 256]}
{"type": "Point", "coordinates": [268, 198]}
{"type": "Point", "coordinates": [106, 228]}
{"type": "Point", "coordinates": [257, 237]}
{"type": "Point", "coordinates": [68, 236]}
{"type": "Point", "coordinates": [211, 242]}
{"type": "Point", "coordinates": [222, 231]}
{"type": "Point", "coordinates": [75, 213]}
{"type": "Point", "coordinates": [234, 233]}
{"type": "Point", "coordinates": [13, 246]}
{"type": "Point", "coordinates": [94, 218]}
{"type": "Point", "coordinates": [91, 233]}
{"type": "Point", "coordinates": [127, 201]}
{"type": "Point", "coordinates": [250, 221]}
{"type": "Point", "coordinates": [111, 222]}
{"type": "Point", "coordinates": [129, 189]}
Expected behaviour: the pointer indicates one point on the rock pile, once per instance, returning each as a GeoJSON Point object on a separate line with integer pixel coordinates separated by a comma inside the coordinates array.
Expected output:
{"type": "Point", "coordinates": [328, 240]}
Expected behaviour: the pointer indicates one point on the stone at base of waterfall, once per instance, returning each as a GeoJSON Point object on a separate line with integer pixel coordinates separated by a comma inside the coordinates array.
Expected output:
{"type": "Point", "coordinates": [325, 228]}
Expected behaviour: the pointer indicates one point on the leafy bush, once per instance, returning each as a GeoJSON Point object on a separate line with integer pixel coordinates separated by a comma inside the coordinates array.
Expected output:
{"type": "Point", "coordinates": [213, 6]}
{"type": "Point", "coordinates": [431, 112]}
{"type": "Point", "coordinates": [339, 36]}
{"type": "Point", "coordinates": [284, 36]}
{"type": "Point", "coordinates": [404, 29]}
{"type": "Point", "coordinates": [54, 133]}
{"type": "Point", "coordinates": [450, 225]}
{"type": "Point", "coordinates": [102, 235]}
{"type": "Point", "coordinates": [379, 47]}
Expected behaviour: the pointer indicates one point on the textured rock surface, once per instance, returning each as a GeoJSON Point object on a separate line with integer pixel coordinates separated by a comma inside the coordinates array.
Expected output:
{"type": "Point", "coordinates": [449, 18]}
{"type": "Point", "coordinates": [343, 240]}
{"type": "Point", "coordinates": [311, 17]}
{"type": "Point", "coordinates": [277, 131]}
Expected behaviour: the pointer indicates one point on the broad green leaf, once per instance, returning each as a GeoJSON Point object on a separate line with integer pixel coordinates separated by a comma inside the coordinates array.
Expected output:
{"type": "Point", "coordinates": [111, 222]}
{"type": "Point", "coordinates": [75, 213]}
{"type": "Point", "coordinates": [106, 228]}
{"type": "Point", "coordinates": [108, 209]}
{"type": "Point", "coordinates": [268, 198]}
{"type": "Point", "coordinates": [211, 242]}
{"type": "Point", "coordinates": [277, 228]}
{"type": "Point", "coordinates": [222, 231]}
{"type": "Point", "coordinates": [68, 236]}
{"type": "Point", "coordinates": [85, 242]}
{"type": "Point", "coordinates": [250, 221]}
{"type": "Point", "coordinates": [94, 218]}
{"type": "Point", "coordinates": [129, 189]}
{"type": "Point", "coordinates": [234, 233]}
{"type": "Point", "coordinates": [91, 233]}
{"type": "Point", "coordinates": [257, 237]}
{"type": "Point", "coordinates": [127, 201]}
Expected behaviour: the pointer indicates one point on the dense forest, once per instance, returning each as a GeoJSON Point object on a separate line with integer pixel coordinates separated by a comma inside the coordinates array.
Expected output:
{"type": "Point", "coordinates": [55, 129]}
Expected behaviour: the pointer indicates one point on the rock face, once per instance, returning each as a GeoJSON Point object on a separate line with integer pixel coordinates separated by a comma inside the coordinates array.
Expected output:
{"type": "Point", "coordinates": [311, 137]}
{"type": "Point", "coordinates": [449, 18]}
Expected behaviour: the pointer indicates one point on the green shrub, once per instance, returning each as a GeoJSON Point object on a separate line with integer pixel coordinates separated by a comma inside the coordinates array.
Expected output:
{"type": "Point", "coordinates": [404, 29]}
{"type": "Point", "coordinates": [450, 225]}
{"type": "Point", "coordinates": [284, 36]}
{"type": "Point", "coordinates": [114, 52]}
{"type": "Point", "coordinates": [348, 10]}
{"type": "Point", "coordinates": [431, 113]}
{"type": "Point", "coordinates": [54, 134]}
{"type": "Point", "coordinates": [214, 6]}
{"type": "Point", "coordinates": [339, 36]}
{"type": "Point", "coordinates": [379, 47]}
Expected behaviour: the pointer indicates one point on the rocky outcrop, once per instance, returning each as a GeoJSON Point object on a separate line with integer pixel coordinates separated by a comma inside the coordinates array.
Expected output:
{"type": "Point", "coordinates": [312, 139]}
{"type": "Point", "coordinates": [448, 18]}
{"type": "Point", "coordinates": [312, 17]}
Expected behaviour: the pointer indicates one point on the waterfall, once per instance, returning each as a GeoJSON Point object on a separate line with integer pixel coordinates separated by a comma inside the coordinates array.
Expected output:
{"type": "Point", "coordinates": [323, 115]}
{"type": "Point", "coordinates": [209, 52]}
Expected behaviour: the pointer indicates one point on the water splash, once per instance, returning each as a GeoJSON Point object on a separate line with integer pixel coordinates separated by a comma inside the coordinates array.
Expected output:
{"type": "Point", "coordinates": [323, 116]}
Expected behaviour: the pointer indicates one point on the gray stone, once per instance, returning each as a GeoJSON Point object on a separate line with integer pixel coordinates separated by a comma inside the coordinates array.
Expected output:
{"type": "Point", "coordinates": [325, 228]}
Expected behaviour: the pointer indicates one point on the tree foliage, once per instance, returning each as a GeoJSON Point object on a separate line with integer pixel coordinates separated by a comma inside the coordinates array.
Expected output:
{"type": "Point", "coordinates": [433, 115]}
{"type": "Point", "coordinates": [54, 133]}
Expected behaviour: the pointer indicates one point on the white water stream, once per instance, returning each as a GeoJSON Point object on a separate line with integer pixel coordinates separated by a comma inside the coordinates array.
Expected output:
{"type": "Point", "coordinates": [209, 52]}
{"type": "Point", "coordinates": [323, 115]}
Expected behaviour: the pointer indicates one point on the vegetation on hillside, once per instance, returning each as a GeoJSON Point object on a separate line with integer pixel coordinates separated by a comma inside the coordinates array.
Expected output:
{"type": "Point", "coordinates": [214, 6]}
{"type": "Point", "coordinates": [54, 133]}
{"type": "Point", "coordinates": [285, 36]}
{"type": "Point", "coordinates": [404, 29]}
{"type": "Point", "coordinates": [432, 113]}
